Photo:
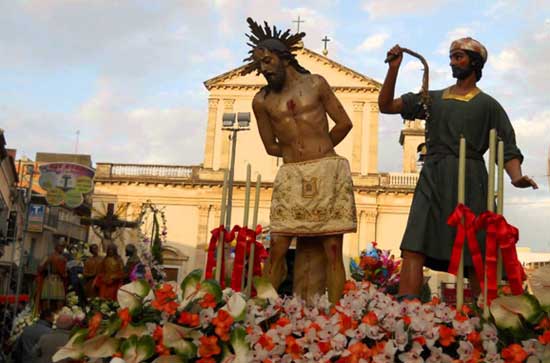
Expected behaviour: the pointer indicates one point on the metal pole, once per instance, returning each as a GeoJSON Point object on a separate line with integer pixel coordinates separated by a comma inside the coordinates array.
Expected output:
{"type": "Point", "coordinates": [461, 199]}
{"type": "Point", "coordinates": [490, 205]}
{"type": "Point", "coordinates": [230, 194]}
{"type": "Point", "coordinates": [500, 199]}
{"type": "Point", "coordinates": [231, 177]}
{"type": "Point", "coordinates": [22, 242]}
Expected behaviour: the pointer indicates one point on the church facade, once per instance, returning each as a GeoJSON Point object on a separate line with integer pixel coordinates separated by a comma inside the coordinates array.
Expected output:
{"type": "Point", "coordinates": [191, 195]}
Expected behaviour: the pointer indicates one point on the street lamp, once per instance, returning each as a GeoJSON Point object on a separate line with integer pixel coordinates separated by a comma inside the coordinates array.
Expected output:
{"type": "Point", "coordinates": [243, 124]}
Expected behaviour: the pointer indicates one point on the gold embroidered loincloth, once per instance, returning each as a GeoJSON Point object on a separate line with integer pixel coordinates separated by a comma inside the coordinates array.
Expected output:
{"type": "Point", "coordinates": [313, 198]}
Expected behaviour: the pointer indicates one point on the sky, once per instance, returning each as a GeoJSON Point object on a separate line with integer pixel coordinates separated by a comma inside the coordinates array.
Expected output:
{"type": "Point", "coordinates": [128, 75]}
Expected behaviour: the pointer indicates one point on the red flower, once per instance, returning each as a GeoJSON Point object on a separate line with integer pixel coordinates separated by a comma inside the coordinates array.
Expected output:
{"type": "Point", "coordinates": [125, 317]}
{"type": "Point", "coordinates": [545, 338]}
{"type": "Point", "coordinates": [514, 353]}
{"type": "Point", "coordinates": [164, 299]}
{"type": "Point", "coordinates": [208, 301]}
{"type": "Point", "coordinates": [223, 322]}
{"type": "Point", "coordinates": [420, 340]}
{"type": "Point", "coordinates": [347, 323]}
{"type": "Point", "coordinates": [370, 318]}
{"type": "Point", "coordinates": [266, 342]}
{"type": "Point", "coordinates": [209, 346]}
{"type": "Point", "coordinates": [94, 324]}
{"type": "Point", "coordinates": [544, 324]}
{"type": "Point", "coordinates": [161, 349]}
{"type": "Point", "coordinates": [359, 351]}
{"type": "Point", "coordinates": [349, 286]}
{"type": "Point", "coordinates": [292, 347]}
{"type": "Point", "coordinates": [474, 338]}
{"type": "Point", "coordinates": [157, 334]}
{"type": "Point", "coordinates": [324, 347]}
{"type": "Point", "coordinates": [446, 335]}
{"type": "Point", "coordinates": [189, 319]}
{"type": "Point", "coordinates": [206, 360]}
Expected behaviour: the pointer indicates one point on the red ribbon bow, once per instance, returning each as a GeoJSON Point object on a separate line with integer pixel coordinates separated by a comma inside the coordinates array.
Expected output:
{"type": "Point", "coordinates": [465, 230]}
{"type": "Point", "coordinates": [212, 249]}
{"type": "Point", "coordinates": [245, 238]}
{"type": "Point", "coordinates": [503, 235]}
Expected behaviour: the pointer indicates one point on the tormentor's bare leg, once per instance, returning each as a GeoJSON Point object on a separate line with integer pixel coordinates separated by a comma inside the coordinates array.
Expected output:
{"type": "Point", "coordinates": [336, 274]}
{"type": "Point", "coordinates": [275, 269]}
{"type": "Point", "coordinates": [412, 274]}
{"type": "Point", "coordinates": [309, 268]}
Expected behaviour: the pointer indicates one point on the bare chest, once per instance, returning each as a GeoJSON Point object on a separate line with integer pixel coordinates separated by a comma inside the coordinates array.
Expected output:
{"type": "Point", "coordinates": [294, 103]}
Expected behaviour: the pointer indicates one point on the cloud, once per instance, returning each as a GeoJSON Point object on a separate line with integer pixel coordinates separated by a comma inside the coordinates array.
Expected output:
{"type": "Point", "coordinates": [456, 33]}
{"type": "Point", "coordinates": [506, 60]}
{"type": "Point", "coordinates": [373, 42]}
{"type": "Point", "coordinates": [383, 8]}
{"type": "Point", "coordinates": [140, 134]}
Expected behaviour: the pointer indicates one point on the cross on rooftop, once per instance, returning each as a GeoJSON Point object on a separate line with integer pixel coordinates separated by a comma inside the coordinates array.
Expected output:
{"type": "Point", "coordinates": [298, 23]}
{"type": "Point", "coordinates": [325, 40]}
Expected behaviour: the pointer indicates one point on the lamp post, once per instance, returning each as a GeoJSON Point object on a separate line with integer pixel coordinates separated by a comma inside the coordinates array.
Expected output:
{"type": "Point", "coordinates": [243, 124]}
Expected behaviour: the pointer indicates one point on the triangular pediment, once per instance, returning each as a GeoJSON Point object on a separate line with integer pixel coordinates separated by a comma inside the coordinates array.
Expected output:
{"type": "Point", "coordinates": [337, 75]}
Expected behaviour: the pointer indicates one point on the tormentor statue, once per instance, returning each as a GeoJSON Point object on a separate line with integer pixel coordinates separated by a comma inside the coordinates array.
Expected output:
{"type": "Point", "coordinates": [461, 109]}
{"type": "Point", "coordinates": [313, 191]}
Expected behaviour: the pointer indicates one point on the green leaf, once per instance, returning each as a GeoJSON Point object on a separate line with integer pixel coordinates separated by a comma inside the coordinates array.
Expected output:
{"type": "Point", "coordinates": [113, 326]}
{"type": "Point", "coordinates": [173, 336]}
{"type": "Point", "coordinates": [539, 281]}
{"type": "Point", "coordinates": [101, 346]}
{"type": "Point", "coordinates": [211, 287]}
{"type": "Point", "coordinates": [74, 348]}
{"type": "Point", "coordinates": [169, 359]}
{"type": "Point", "coordinates": [264, 288]}
{"type": "Point", "coordinates": [131, 295]}
{"type": "Point", "coordinates": [240, 345]}
{"type": "Point", "coordinates": [135, 350]}
{"type": "Point", "coordinates": [190, 283]}
{"type": "Point", "coordinates": [236, 307]}
{"type": "Point", "coordinates": [508, 311]}
{"type": "Point", "coordinates": [130, 330]}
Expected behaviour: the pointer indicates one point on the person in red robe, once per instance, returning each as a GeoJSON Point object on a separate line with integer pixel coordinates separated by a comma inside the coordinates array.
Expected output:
{"type": "Point", "coordinates": [111, 274]}
{"type": "Point", "coordinates": [51, 280]}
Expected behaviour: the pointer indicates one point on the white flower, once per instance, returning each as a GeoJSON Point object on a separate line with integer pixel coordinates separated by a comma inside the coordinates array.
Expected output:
{"type": "Point", "coordinates": [465, 350]}
{"type": "Point", "coordinates": [437, 356]}
{"type": "Point", "coordinates": [413, 355]}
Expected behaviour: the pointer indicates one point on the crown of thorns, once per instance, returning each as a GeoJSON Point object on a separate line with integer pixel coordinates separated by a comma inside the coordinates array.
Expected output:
{"type": "Point", "coordinates": [271, 39]}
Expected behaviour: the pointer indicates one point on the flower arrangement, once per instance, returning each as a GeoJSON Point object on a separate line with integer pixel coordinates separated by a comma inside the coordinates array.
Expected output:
{"type": "Point", "coordinates": [23, 319]}
{"type": "Point", "coordinates": [74, 311]}
{"type": "Point", "coordinates": [198, 322]}
{"type": "Point", "coordinates": [150, 248]}
{"type": "Point", "coordinates": [377, 266]}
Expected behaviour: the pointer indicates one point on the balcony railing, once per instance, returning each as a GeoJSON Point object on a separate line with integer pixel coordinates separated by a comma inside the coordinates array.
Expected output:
{"type": "Point", "coordinates": [145, 171]}
{"type": "Point", "coordinates": [399, 180]}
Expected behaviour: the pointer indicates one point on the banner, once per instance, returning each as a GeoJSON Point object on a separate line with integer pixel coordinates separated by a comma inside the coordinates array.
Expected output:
{"type": "Point", "coordinates": [66, 183]}
{"type": "Point", "coordinates": [36, 217]}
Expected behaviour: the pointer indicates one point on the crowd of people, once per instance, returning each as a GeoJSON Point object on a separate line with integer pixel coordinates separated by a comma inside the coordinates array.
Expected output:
{"type": "Point", "coordinates": [65, 270]}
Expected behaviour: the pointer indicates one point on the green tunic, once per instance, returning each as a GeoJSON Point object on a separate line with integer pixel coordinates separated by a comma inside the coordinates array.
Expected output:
{"type": "Point", "coordinates": [435, 196]}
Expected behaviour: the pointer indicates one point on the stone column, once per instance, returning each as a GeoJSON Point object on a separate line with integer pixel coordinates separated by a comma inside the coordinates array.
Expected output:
{"type": "Point", "coordinates": [372, 166]}
{"type": "Point", "coordinates": [211, 132]}
{"type": "Point", "coordinates": [202, 234]}
{"type": "Point", "coordinates": [369, 226]}
{"type": "Point", "coordinates": [357, 119]}
{"type": "Point", "coordinates": [225, 144]}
